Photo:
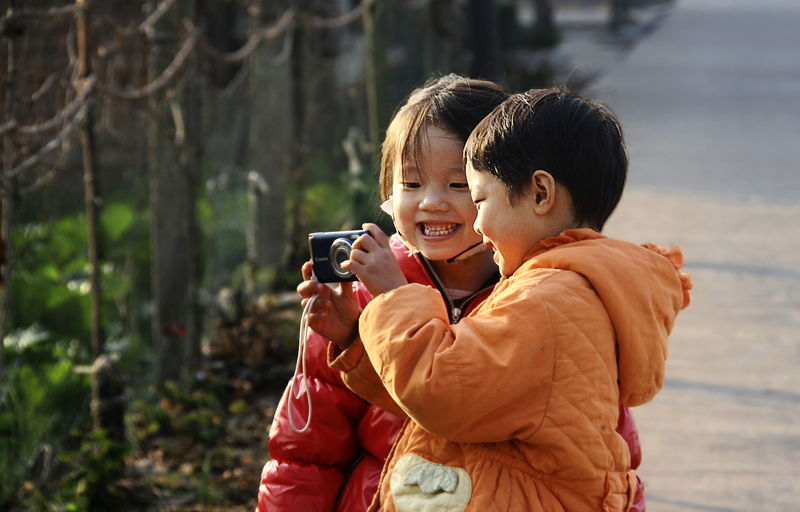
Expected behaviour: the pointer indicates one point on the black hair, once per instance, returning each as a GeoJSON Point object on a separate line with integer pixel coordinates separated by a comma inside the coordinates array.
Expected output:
{"type": "Point", "coordinates": [577, 140]}
{"type": "Point", "coordinates": [452, 102]}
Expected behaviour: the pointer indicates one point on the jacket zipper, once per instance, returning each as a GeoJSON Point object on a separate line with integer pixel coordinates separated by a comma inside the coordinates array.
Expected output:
{"type": "Point", "coordinates": [454, 312]}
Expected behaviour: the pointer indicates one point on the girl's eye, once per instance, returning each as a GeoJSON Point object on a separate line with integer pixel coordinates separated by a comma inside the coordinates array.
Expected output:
{"type": "Point", "coordinates": [410, 184]}
{"type": "Point", "coordinates": [460, 186]}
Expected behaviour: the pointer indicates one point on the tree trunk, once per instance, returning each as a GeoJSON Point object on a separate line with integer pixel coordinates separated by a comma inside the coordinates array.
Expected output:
{"type": "Point", "coordinates": [169, 206]}
{"type": "Point", "coordinates": [90, 184]}
{"type": "Point", "coordinates": [377, 79]}
{"type": "Point", "coordinates": [296, 178]}
{"type": "Point", "coordinates": [188, 101]}
{"type": "Point", "coordinates": [108, 409]}
{"type": "Point", "coordinates": [267, 158]}
{"type": "Point", "coordinates": [8, 197]}
{"type": "Point", "coordinates": [485, 39]}
{"type": "Point", "coordinates": [620, 10]}
{"type": "Point", "coordinates": [544, 14]}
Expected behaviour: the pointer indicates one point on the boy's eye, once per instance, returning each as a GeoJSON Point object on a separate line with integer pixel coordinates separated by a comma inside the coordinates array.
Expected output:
{"type": "Point", "coordinates": [459, 185]}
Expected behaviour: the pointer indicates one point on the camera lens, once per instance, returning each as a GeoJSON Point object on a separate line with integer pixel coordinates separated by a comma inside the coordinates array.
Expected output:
{"type": "Point", "coordinates": [340, 252]}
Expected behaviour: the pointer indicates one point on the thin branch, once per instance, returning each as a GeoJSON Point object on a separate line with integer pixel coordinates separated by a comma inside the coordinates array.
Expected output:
{"type": "Point", "coordinates": [147, 26]}
{"type": "Point", "coordinates": [41, 181]}
{"type": "Point", "coordinates": [53, 11]}
{"type": "Point", "coordinates": [253, 41]}
{"type": "Point", "coordinates": [177, 63]}
{"type": "Point", "coordinates": [343, 20]}
{"type": "Point", "coordinates": [47, 148]}
{"type": "Point", "coordinates": [286, 51]}
{"type": "Point", "coordinates": [49, 81]}
{"type": "Point", "coordinates": [58, 120]}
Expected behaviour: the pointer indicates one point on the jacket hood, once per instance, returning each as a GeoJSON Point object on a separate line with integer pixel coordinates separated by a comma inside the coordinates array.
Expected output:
{"type": "Point", "coordinates": [641, 287]}
{"type": "Point", "coordinates": [409, 260]}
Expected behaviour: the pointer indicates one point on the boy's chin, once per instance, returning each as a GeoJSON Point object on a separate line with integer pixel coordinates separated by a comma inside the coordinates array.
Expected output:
{"type": "Point", "coordinates": [506, 269]}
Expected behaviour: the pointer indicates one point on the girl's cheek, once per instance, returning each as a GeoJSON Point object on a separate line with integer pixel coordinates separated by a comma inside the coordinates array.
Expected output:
{"type": "Point", "coordinates": [471, 213]}
{"type": "Point", "coordinates": [405, 203]}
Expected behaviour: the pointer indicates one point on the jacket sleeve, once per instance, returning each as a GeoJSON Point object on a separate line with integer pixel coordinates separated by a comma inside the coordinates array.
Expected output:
{"type": "Point", "coordinates": [453, 380]}
{"type": "Point", "coordinates": [307, 469]}
{"type": "Point", "coordinates": [360, 377]}
{"type": "Point", "coordinates": [354, 366]}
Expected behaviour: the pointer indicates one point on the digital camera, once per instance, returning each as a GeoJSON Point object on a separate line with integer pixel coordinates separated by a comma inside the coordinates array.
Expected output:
{"type": "Point", "coordinates": [328, 251]}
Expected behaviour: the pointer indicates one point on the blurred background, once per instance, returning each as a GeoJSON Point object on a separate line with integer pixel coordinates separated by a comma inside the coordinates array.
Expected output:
{"type": "Point", "coordinates": [165, 160]}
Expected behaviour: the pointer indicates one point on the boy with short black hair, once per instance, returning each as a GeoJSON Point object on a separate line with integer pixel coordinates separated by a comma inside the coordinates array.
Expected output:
{"type": "Point", "coordinates": [514, 408]}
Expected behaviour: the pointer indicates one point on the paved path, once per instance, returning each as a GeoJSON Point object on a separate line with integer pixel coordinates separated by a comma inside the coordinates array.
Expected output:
{"type": "Point", "coordinates": [710, 102]}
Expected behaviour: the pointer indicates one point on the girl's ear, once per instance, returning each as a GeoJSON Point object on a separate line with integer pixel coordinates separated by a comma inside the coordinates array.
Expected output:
{"type": "Point", "coordinates": [543, 191]}
{"type": "Point", "coordinates": [388, 207]}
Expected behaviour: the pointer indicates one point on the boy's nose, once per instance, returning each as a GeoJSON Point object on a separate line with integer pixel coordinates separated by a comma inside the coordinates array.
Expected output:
{"type": "Point", "coordinates": [476, 227]}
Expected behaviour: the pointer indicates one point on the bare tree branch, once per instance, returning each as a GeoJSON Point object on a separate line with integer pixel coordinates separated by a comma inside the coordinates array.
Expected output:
{"type": "Point", "coordinates": [267, 34]}
{"type": "Point", "coordinates": [47, 148]}
{"type": "Point", "coordinates": [51, 12]}
{"type": "Point", "coordinates": [58, 120]}
{"type": "Point", "coordinates": [177, 63]}
{"type": "Point", "coordinates": [343, 20]}
{"type": "Point", "coordinates": [147, 26]}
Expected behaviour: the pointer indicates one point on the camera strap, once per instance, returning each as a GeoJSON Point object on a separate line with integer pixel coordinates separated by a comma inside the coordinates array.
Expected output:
{"type": "Point", "coordinates": [469, 251]}
{"type": "Point", "coordinates": [301, 359]}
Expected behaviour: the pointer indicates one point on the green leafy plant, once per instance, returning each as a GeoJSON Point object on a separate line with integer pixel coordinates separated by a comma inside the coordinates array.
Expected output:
{"type": "Point", "coordinates": [42, 404]}
{"type": "Point", "coordinates": [96, 466]}
{"type": "Point", "coordinates": [43, 397]}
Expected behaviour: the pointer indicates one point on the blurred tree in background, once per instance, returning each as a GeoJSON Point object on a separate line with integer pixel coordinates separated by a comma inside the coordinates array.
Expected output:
{"type": "Point", "coordinates": [163, 164]}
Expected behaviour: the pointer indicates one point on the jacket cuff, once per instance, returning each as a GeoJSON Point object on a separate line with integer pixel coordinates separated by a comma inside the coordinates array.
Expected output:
{"type": "Point", "coordinates": [348, 359]}
{"type": "Point", "coordinates": [360, 377]}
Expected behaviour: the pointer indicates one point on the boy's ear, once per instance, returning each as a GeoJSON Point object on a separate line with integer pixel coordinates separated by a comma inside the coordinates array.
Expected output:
{"type": "Point", "coordinates": [543, 191]}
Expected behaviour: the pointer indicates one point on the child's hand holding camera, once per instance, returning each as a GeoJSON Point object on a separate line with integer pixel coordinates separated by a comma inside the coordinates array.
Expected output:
{"type": "Point", "coordinates": [335, 312]}
{"type": "Point", "coordinates": [373, 262]}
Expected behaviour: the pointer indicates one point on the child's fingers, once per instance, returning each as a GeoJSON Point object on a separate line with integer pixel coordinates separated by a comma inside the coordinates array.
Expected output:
{"type": "Point", "coordinates": [320, 305]}
{"type": "Point", "coordinates": [309, 286]}
{"type": "Point", "coordinates": [317, 319]}
{"type": "Point", "coordinates": [307, 289]}
{"type": "Point", "coordinates": [356, 263]}
{"type": "Point", "coordinates": [364, 243]}
{"type": "Point", "coordinates": [377, 234]}
{"type": "Point", "coordinates": [346, 290]}
{"type": "Point", "coordinates": [306, 269]}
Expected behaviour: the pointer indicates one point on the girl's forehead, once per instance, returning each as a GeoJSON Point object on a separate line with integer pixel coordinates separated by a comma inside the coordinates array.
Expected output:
{"type": "Point", "coordinates": [437, 165]}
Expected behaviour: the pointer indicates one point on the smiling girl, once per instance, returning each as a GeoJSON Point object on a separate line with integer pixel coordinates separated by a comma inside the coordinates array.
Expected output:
{"type": "Point", "coordinates": [335, 465]}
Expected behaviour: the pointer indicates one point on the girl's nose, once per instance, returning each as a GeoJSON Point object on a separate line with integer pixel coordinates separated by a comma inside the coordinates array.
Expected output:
{"type": "Point", "coordinates": [434, 200]}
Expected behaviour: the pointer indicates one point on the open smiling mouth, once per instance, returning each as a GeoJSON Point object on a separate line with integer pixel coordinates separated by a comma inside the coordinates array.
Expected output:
{"type": "Point", "coordinates": [437, 230]}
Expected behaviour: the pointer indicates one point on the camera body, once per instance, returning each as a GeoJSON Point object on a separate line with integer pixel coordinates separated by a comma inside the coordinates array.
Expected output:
{"type": "Point", "coordinates": [328, 251]}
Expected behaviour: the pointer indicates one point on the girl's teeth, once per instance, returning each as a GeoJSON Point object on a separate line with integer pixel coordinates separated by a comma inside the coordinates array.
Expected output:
{"type": "Point", "coordinates": [438, 231]}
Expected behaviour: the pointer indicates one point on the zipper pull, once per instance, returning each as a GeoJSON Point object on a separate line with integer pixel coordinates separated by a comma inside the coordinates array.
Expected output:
{"type": "Point", "coordinates": [456, 315]}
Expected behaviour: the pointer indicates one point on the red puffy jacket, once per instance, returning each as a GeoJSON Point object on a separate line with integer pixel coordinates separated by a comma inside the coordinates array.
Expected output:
{"type": "Point", "coordinates": [335, 465]}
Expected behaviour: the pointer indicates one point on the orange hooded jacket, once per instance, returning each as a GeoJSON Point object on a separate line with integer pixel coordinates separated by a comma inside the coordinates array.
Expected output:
{"type": "Point", "coordinates": [515, 407]}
